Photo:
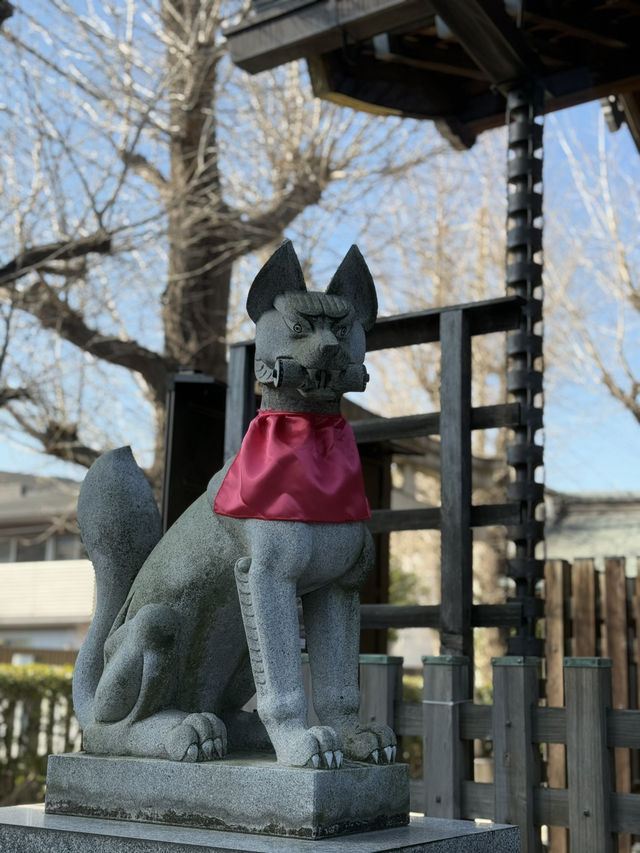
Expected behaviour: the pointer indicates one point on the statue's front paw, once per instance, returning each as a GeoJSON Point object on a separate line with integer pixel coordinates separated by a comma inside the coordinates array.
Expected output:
{"type": "Point", "coordinates": [318, 748]}
{"type": "Point", "coordinates": [374, 744]}
{"type": "Point", "coordinates": [199, 737]}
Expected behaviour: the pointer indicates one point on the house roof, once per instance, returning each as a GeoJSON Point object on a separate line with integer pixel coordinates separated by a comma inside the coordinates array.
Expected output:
{"type": "Point", "coordinates": [593, 525]}
{"type": "Point", "coordinates": [452, 61]}
{"type": "Point", "coordinates": [26, 498]}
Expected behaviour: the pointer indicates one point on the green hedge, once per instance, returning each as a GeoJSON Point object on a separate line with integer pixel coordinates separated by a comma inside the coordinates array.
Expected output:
{"type": "Point", "coordinates": [34, 680]}
{"type": "Point", "coordinates": [31, 728]}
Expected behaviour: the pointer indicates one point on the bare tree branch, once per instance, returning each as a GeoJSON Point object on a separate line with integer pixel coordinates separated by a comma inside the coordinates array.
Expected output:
{"type": "Point", "coordinates": [59, 440]}
{"type": "Point", "coordinates": [10, 395]}
{"type": "Point", "coordinates": [141, 166]}
{"type": "Point", "coordinates": [42, 302]}
{"type": "Point", "coordinates": [65, 250]}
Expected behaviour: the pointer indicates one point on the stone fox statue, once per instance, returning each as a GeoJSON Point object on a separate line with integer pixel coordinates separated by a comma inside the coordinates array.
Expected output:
{"type": "Point", "coordinates": [190, 624]}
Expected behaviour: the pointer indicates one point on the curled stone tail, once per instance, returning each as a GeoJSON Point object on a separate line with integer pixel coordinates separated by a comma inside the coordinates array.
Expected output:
{"type": "Point", "coordinates": [120, 525]}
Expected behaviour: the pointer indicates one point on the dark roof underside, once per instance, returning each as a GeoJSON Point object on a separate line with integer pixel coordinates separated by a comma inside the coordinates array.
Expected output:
{"type": "Point", "coordinates": [452, 61]}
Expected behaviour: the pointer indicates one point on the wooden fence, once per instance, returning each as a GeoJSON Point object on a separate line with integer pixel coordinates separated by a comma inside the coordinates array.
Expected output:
{"type": "Point", "coordinates": [520, 730]}
{"type": "Point", "coordinates": [594, 613]}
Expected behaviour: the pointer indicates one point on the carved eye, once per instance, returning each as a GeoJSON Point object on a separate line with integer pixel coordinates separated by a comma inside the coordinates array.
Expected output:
{"type": "Point", "coordinates": [341, 332]}
{"type": "Point", "coordinates": [299, 325]}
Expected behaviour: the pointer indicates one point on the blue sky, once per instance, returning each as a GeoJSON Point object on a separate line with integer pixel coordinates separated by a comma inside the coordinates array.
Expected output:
{"type": "Point", "coordinates": [591, 442]}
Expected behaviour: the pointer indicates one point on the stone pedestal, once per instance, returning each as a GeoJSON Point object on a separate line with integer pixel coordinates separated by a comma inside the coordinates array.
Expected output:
{"type": "Point", "coordinates": [27, 829]}
{"type": "Point", "coordinates": [250, 795]}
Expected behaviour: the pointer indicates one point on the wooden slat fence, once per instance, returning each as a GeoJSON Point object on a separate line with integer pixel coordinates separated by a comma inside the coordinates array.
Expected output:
{"type": "Point", "coordinates": [594, 613]}
{"type": "Point", "coordinates": [521, 730]}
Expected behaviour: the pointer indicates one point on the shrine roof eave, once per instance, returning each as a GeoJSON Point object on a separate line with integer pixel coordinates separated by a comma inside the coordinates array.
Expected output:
{"type": "Point", "coordinates": [451, 61]}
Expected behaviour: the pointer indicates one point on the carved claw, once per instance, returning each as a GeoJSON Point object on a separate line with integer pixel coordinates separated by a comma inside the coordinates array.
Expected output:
{"type": "Point", "coordinates": [395, 750]}
{"type": "Point", "coordinates": [315, 760]}
{"type": "Point", "coordinates": [375, 756]}
{"type": "Point", "coordinates": [388, 751]}
{"type": "Point", "coordinates": [207, 749]}
{"type": "Point", "coordinates": [192, 753]}
{"type": "Point", "coordinates": [219, 747]}
{"type": "Point", "coordinates": [338, 757]}
{"type": "Point", "coordinates": [328, 758]}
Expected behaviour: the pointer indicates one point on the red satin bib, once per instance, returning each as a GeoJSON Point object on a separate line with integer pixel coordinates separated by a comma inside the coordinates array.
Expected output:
{"type": "Point", "coordinates": [295, 466]}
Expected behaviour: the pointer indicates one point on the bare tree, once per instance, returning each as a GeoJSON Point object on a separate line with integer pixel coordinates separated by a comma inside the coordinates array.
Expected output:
{"type": "Point", "coordinates": [441, 241]}
{"type": "Point", "coordinates": [140, 168]}
{"type": "Point", "coordinates": [593, 264]}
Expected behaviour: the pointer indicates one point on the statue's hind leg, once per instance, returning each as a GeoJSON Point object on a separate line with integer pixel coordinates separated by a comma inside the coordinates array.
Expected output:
{"type": "Point", "coordinates": [133, 710]}
{"type": "Point", "coordinates": [139, 672]}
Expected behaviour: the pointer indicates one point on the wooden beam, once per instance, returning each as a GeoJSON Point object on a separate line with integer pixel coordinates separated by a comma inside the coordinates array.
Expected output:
{"type": "Point", "coordinates": [413, 426]}
{"type": "Point", "coordinates": [491, 39]}
{"type": "Point", "coordinates": [422, 54]}
{"type": "Point", "coordinates": [381, 616]}
{"type": "Point", "coordinates": [422, 327]}
{"type": "Point", "coordinates": [428, 518]}
{"type": "Point", "coordinates": [565, 27]}
{"type": "Point", "coordinates": [298, 30]}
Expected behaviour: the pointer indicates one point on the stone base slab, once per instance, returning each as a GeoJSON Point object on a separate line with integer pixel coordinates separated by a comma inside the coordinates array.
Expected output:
{"type": "Point", "coordinates": [27, 829]}
{"type": "Point", "coordinates": [250, 795]}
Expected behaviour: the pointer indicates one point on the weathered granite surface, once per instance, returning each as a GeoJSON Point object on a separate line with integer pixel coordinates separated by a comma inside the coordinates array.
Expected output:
{"type": "Point", "coordinates": [254, 794]}
{"type": "Point", "coordinates": [189, 626]}
{"type": "Point", "coordinates": [27, 829]}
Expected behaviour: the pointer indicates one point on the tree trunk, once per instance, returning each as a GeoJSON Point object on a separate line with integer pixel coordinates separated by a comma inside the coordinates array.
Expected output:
{"type": "Point", "coordinates": [197, 292]}
{"type": "Point", "coordinates": [195, 307]}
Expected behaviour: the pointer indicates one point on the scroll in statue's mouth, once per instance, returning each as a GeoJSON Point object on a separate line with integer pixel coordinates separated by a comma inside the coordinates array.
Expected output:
{"type": "Point", "coordinates": [319, 383]}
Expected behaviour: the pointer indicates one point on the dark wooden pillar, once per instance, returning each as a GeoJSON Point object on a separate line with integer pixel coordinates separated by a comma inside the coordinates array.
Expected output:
{"type": "Point", "coordinates": [376, 470]}
{"type": "Point", "coordinates": [456, 632]}
{"type": "Point", "coordinates": [194, 440]}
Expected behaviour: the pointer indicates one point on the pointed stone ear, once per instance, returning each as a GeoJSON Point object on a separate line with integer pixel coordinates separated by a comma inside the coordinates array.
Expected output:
{"type": "Point", "coordinates": [353, 281]}
{"type": "Point", "coordinates": [281, 273]}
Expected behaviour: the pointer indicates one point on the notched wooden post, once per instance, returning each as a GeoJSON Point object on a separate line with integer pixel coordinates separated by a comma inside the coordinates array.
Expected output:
{"type": "Point", "coordinates": [587, 685]}
{"type": "Point", "coordinates": [447, 760]}
{"type": "Point", "coordinates": [516, 757]}
{"type": "Point", "coordinates": [617, 650]}
{"type": "Point", "coordinates": [380, 688]}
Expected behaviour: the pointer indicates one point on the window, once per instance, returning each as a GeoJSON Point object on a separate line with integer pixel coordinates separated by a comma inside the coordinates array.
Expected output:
{"type": "Point", "coordinates": [67, 546]}
{"type": "Point", "coordinates": [29, 551]}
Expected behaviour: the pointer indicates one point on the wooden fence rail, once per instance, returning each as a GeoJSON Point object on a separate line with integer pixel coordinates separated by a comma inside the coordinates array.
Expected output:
{"type": "Point", "coordinates": [588, 727]}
